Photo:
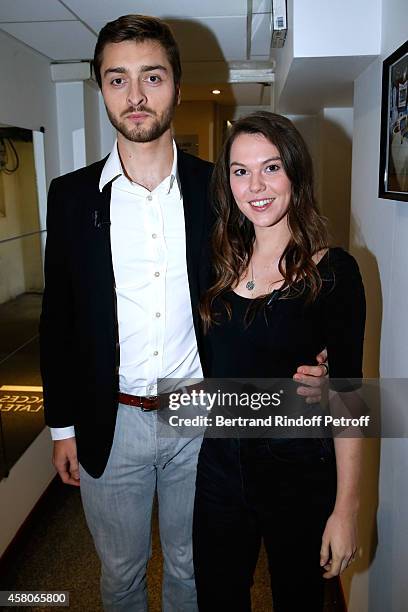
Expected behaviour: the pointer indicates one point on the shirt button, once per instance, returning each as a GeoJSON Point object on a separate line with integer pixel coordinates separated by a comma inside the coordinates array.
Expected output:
{"type": "Point", "coordinates": [158, 314]}
{"type": "Point", "coordinates": [149, 198]}
{"type": "Point", "coordinates": [154, 235]}
{"type": "Point", "coordinates": [156, 353]}
{"type": "Point", "coordinates": [157, 274]}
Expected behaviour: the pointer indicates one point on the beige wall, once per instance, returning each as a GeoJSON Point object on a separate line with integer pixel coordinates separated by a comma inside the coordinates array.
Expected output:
{"type": "Point", "coordinates": [20, 260]}
{"type": "Point", "coordinates": [197, 118]}
{"type": "Point", "coordinates": [333, 171]}
{"type": "Point", "coordinates": [2, 200]}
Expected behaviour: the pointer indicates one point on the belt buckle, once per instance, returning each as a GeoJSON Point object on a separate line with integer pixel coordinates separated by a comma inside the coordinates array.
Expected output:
{"type": "Point", "coordinates": [149, 399]}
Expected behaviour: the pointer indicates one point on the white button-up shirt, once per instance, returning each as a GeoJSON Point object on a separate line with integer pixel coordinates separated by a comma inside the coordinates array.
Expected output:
{"type": "Point", "coordinates": [156, 331]}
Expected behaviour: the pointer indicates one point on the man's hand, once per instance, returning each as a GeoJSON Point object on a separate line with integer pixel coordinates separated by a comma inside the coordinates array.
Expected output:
{"type": "Point", "coordinates": [314, 377]}
{"type": "Point", "coordinates": [65, 461]}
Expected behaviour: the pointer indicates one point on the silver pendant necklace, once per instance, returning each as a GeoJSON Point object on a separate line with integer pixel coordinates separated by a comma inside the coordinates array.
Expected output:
{"type": "Point", "coordinates": [251, 283]}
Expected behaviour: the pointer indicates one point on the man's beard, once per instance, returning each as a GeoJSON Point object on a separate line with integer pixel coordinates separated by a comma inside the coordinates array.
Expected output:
{"type": "Point", "coordinates": [139, 133]}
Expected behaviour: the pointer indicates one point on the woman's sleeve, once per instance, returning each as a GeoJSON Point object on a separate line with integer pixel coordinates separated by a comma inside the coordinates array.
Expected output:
{"type": "Point", "coordinates": [344, 311]}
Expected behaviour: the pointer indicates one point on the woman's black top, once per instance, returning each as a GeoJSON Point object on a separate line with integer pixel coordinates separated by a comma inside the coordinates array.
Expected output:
{"type": "Point", "coordinates": [289, 332]}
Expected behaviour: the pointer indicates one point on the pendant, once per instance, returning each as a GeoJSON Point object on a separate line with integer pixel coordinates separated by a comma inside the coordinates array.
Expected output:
{"type": "Point", "coordinates": [250, 285]}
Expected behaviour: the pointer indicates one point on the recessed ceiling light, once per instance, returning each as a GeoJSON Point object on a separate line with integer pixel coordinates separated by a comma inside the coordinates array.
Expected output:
{"type": "Point", "coordinates": [216, 91]}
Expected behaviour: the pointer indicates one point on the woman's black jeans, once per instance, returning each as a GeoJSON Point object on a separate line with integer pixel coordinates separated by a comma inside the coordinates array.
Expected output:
{"type": "Point", "coordinates": [281, 491]}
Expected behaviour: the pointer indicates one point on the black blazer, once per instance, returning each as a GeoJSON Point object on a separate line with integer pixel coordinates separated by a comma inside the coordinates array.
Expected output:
{"type": "Point", "coordinates": [78, 325]}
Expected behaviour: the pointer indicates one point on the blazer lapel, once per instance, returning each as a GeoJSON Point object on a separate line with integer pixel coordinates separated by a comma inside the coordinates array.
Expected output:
{"type": "Point", "coordinates": [194, 181]}
{"type": "Point", "coordinates": [94, 257]}
{"type": "Point", "coordinates": [98, 234]}
{"type": "Point", "coordinates": [194, 202]}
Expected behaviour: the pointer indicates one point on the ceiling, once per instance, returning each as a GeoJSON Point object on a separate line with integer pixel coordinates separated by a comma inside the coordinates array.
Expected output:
{"type": "Point", "coordinates": [324, 82]}
{"type": "Point", "coordinates": [249, 94]}
{"type": "Point", "coordinates": [212, 35]}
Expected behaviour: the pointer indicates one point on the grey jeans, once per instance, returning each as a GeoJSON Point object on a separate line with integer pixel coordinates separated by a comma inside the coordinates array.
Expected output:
{"type": "Point", "coordinates": [118, 510]}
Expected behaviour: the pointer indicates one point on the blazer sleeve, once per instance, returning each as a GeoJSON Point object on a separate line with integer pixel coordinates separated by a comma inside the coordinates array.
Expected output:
{"type": "Point", "coordinates": [56, 320]}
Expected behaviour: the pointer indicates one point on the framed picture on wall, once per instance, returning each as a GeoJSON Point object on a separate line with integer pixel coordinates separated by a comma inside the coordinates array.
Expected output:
{"type": "Point", "coordinates": [393, 180]}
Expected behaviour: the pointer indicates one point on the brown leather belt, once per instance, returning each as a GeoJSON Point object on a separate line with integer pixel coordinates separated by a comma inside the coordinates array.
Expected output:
{"type": "Point", "coordinates": [146, 404]}
{"type": "Point", "coordinates": [151, 402]}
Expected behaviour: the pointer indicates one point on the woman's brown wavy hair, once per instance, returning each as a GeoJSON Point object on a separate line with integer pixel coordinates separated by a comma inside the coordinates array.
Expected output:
{"type": "Point", "coordinates": [233, 234]}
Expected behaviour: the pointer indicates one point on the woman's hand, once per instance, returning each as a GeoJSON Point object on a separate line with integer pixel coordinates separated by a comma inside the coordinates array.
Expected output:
{"type": "Point", "coordinates": [339, 543]}
{"type": "Point", "coordinates": [314, 379]}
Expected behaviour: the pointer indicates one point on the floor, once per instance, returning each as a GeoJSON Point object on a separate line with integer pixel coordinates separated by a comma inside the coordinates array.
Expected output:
{"type": "Point", "coordinates": [56, 552]}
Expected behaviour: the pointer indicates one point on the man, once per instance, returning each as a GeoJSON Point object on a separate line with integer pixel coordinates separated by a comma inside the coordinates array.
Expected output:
{"type": "Point", "coordinates": [126, 242]}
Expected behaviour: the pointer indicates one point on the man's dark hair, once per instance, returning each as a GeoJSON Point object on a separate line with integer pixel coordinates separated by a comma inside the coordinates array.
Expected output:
{"type": "Point", "coordinates": [138, 28]}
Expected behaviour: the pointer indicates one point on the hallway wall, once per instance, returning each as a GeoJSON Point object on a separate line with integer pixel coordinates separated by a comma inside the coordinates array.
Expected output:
{"type": "Point", "coordinates": [336, 137]}
{"type": "Point", "coordinates": [27, 100]}
{"type": "Point", "coordinates": [197, 118]}
{"type": "Point", "coordinates": [20, 260]}
{"type": "Point", "coordinates": [28, 96]}
{"type": "Point", "coordinates": [379, 237]}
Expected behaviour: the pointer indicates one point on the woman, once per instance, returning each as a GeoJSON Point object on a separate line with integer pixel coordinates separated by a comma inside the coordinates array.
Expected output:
{"type": "Point", "coordinates": [279, 296]}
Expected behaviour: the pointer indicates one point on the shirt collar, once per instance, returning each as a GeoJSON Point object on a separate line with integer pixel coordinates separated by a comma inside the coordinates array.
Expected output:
{"type": "Point", "coordinates": [113, 169]}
